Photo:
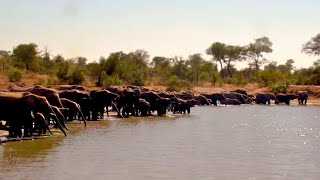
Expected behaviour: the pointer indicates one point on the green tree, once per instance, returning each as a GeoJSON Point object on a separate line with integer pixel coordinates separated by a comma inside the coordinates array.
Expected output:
{"type": "Point", "coordinates": [179, 68]}
{"type": "Point", "coordinates": [27, 55]}
{"type": "Point", "coordinates": [195, 61]}
{"type": "Point", "coordinates": [256, 49]}
{"type": "Point", "coordinates": [287, 67]}
{"type": "Point", "coordinates": [161, 67]}
{"type": "Point", "coordinates": [5, 60]}
{"type": "Point", "coordinates": [233, 54]}
{"type": "Point", "coordinates": [81, 61]}
{"type": "Point", "coordinates": [77, 76]}
{"type": "Point", "coordinates": [312, 47]}
{"type": "Point", "coordinates": [218, 51]}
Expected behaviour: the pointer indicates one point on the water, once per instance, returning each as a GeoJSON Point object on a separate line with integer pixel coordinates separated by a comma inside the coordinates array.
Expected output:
{"type": "Point", "coordinates": [236, 142]}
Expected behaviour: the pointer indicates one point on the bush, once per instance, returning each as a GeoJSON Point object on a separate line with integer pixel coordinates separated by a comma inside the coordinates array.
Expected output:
{"type": "Point", "coordinates": [109, 80]}
{"type": "Point", "coordinates": [50, 81]}
{"type": "Point", "coordinates": [77, 77]}
{"type": "Point", "coordinates": [269, 78]}
{"type": "Point", "coordinates": [283, 88]}
{"type": "Point", "coordinates": [62, 72]}
{"type": "Point", "coordinates": [237, 79]}
{"type": "Point", "coordinates": [137, 79]}
{"type": "Point", "coordinates": [15, 75]}
{"type": "Point", "coordinates": [175, 84]}
{"type": "Point", "coordinates": [39, 82]}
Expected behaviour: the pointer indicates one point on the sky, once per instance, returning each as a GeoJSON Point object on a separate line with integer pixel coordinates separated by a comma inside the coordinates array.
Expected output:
{"type": "Point", "coordinates": [95, 28]}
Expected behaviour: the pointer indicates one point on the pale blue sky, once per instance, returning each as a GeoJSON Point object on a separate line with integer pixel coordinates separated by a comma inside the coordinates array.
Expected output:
{"type": "Point", "coordinates": [94, 28]}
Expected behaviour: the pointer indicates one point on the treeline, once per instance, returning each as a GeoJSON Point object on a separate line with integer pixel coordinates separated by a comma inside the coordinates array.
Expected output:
{"type": "Point", "coordinates": [136, 68]}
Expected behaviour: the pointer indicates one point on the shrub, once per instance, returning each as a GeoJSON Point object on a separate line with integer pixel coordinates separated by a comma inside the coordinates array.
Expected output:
{"type": "Point", "coordinates": [137, 79]}
{"type": "Point", "coordinates": [15, 75]}
{"type": "Point", "coordinates": [77, 77]}
{"type": "Point", "coordinates": [62, 72]}
{"type": "Point", "coordinates": [50, 81]}
{"type": "Point", "coordinates": [269, 78]}
{"type": "Point", "coordinates": [175, 84]}
{"type": "Point", "coordinates": [109, 80]}
{"type": "Point", "coordinates": [282, 88]}
{"type": "Point", "coordinates": [39, 82]}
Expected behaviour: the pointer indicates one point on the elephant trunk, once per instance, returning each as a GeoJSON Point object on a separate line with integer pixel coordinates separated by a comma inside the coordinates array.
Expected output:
{"type": "Point", "coordinates": [55, 118]}
{"type": "Point", "coordinates": [59, 125]}
{"type": "Point", "coordinates": [82, 116]}
{"type": "Point", "coordinates": [117, 109]}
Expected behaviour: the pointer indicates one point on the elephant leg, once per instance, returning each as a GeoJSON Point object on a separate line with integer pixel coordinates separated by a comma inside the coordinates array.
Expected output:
{"type": "Point", "coordinates": [188, 110]}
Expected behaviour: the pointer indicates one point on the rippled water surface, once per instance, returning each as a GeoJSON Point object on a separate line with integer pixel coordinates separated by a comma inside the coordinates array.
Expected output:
{"type": "Point", "coordinates": [240, 142]}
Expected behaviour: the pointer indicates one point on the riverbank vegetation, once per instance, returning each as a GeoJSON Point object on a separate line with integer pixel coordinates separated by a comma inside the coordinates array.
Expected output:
{"type": "Point", "coordinates": [137, 68]}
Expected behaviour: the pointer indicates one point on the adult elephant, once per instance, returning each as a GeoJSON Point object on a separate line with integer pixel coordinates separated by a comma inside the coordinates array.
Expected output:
{"type": "Point", "coordinates": [202, 100]}
{"type": "Point", "coordinates": [71, 87]}
{"type": "Point", "coordinates": [241, 91]}
{"type": "Point", "coordinates": [157, 103]}
{"type": "Point", "coordinates": [264, 98]}
{"type": "Point", "coordinates": [17, 109]}
{"type": "Point", "coordinates": [73, 110]}
{"type": "Point", "coordinates": [186, 95]}
{"type": "Point", "coordinates": [303, 97]}
{"type": "Point", "coordinates": [285, 98]}
{"type": "Point", "coordinates": [233, 95]}
{"type": "Point", "coordinates": [52, 95]}
{"type": "Point", "coordinates": [214, 97]}
{"type": "Point", "coordinates": [228, 101]}
{"type": "Point", "coordinates": [75, 95]}
{"type": "Point", "coordinates": [127, 101]}
{"type": "Point", "coordinates": [60, 116]}
{"type": "Point", "coordinates": [143, 107]}
{"type": "Point", "coordinates": [100, 100]}
{"type": "Point", "coordinates": [16, 88]}
{"type": "Point", "coordinates": [182, 106]}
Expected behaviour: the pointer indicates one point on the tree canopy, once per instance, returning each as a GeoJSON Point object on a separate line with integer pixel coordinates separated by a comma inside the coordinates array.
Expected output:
{"type": "Point", "coordinates": [312, 47]}
{"type": "Point", "coordinates": [137, 68]}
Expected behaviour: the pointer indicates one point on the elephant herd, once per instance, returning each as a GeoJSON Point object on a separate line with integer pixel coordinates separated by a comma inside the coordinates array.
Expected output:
{"type": "Point", "coordinates": [37, 108]}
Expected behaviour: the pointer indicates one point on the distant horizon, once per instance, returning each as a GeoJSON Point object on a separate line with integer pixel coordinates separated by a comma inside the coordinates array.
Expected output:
{"type": "Point", "coordinates": [97, 28]}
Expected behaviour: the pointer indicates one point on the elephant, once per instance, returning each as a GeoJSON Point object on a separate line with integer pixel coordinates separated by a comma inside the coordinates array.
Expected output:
{"type": "Point", "coordinates": [214, 97]}
{"type": "Point", "coordinates": [51, 95]}
{"type": "Point", "coordinates": [40, 124]}
{"type": "Point", "coordinates": [71, 87]}
{"type": "Point", "coordinates": [16, 88]}
{"type": "Point", "coordinates": [303, 97]}
{"type": "Point", "coordinates": [233, 95]}
{"type": "Point", "coordinates": [241, 91]}
{"type": "Point", "coordinates": [157, 103]}
{"type": "Point", "coordinates": [285, 98]}
{"type": "Point", "coordinates": [202, 100]}
{"type": "Point", "coordinates": [75, 95]}
{"type": "Point", "coordinates": [17, 108]}
{"type": "Point", "coordinates": [182, 106]}
{"type": "Point", "coordinates": [228, 101]}
{"type": "Point", "coordinates": [113, 89]}
{"type": "Point", "coordinates": [100, 100]}
{"type": "Point", "coordinates": [185, 95]}
{"type": "Point", "coordinates": [143, 107]}
{"type": "Point", "coordinates": [73, 109]}
{"type": "Point", "coordinates": [264, 98]}
{"type": "Point", "coordinates": [59, 113]}
{"type": "Point", "coordinates": [127, 101]}
{"type": "Point", "coordinates": [163, 104]}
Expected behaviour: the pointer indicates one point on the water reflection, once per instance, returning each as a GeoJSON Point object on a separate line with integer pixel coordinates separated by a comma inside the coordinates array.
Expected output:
{"type": "Point", "coordinates": [236, 142]}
